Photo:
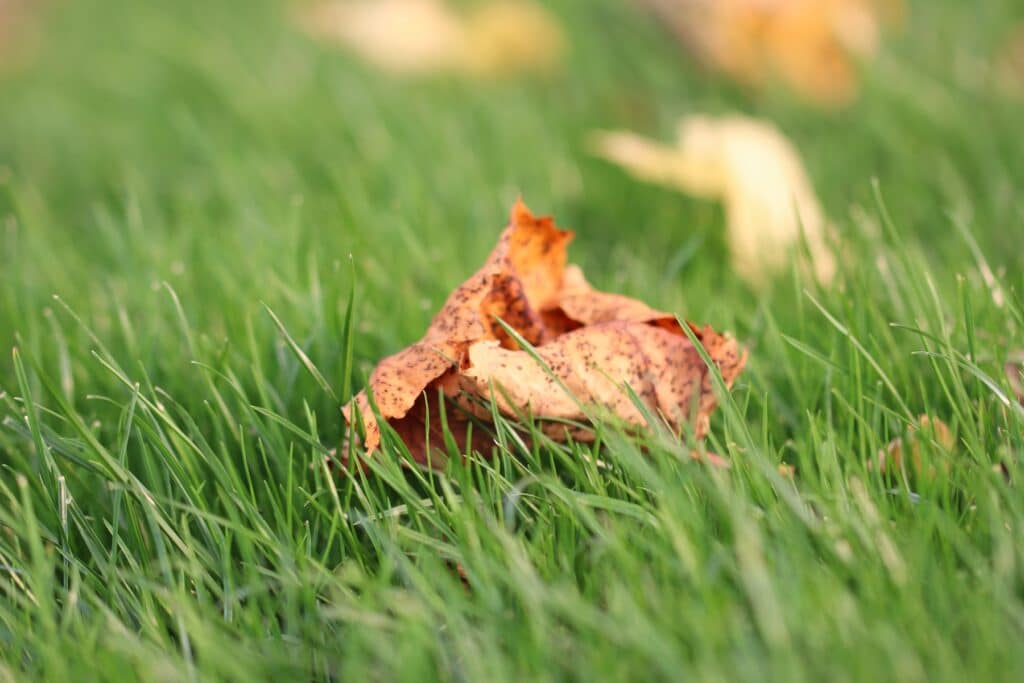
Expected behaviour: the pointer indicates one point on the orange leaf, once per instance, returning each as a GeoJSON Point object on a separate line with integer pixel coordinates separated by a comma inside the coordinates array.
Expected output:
{"type": "Point", "coordinates": [592, 365]}
{"type": "Point", "coordinates": [594, 343]}
{"type": "Point", "coordinates": [812, 45]}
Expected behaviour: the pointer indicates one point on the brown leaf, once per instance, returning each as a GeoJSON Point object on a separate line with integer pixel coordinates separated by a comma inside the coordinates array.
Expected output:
{"type": "Point", "coordinates": [812, 45]}
{"type": "Point", "coordinates": [525, 268]}
{"type": "Point", "coordinates": [595, 344]}
{"type": "Point", "coordinates": [592, 365]}
{"type": "Point", "coordinates": [583, 305]}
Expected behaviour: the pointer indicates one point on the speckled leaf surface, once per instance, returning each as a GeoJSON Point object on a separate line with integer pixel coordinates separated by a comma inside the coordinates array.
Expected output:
{"type": "Point", "coordinates": [588, 347]}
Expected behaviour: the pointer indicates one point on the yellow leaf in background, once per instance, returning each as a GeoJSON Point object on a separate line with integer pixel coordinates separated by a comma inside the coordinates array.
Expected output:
{"type": "Point", "coordinates": [405, 36]}
{"type": "Point", "coordinates": [812, 45]}
{"type": "Point", "coordinates": [425, 36]}
{"type": "Point", "coordinates": [754, 170]}
{"type": "Point", "coordinates": [510, 36]}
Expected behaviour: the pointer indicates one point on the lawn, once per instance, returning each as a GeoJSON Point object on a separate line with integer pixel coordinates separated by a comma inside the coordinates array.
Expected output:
{"type": "Point", "coordinates": [175, 176]}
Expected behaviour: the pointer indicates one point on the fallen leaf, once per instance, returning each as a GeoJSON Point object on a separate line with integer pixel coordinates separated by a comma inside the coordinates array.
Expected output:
{"type": "Point", "coordinates": [426, 36]}
{"type": "Point", "coordinates": [812, 45]}
{"type": "Point", "coordinates": [750, 166]}
{"type": "Point", "coordinates": [592, 345]}
{"type": "Point", "coordinates": [894, 457]}
{"type": "Point", "coordinates": [589, 367]}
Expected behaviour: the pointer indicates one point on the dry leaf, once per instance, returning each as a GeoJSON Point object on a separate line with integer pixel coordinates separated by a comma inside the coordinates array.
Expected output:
{"type": "Point", "coordinates": [425, 36]}
{"type": "Point", "coordinates": [754, 170]}
{"type": "Point", "coordinates": [813, 45]}
{"type": "Point", "coordinates": [593, 345]}
{"type": "Point", "coordinates": [591, 365]}
{"type": "Point", "coordinates": [893, 459]}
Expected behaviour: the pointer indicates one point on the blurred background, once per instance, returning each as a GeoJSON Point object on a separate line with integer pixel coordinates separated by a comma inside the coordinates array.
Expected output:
{"type": "Point", "coordinates": [241, 153]}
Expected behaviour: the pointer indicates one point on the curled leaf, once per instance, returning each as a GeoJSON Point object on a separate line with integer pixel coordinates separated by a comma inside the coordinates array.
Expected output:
{"type": "Point", "coordinates": [426, 36]}
{"type": "Point", "coordinates": [591, 365]}
{"type": "Point", "coordinates": [524, 269]}
{"type": "Point", "coordinates": [591, 346]}
{"type": "Point", "coordinates": [750, 166]}
{"type": "Point", "coordinates": [812, 45]}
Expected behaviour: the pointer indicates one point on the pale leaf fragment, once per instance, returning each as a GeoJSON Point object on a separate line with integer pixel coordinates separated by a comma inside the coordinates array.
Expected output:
{"type": "Point", "coordinates": [754, 170]}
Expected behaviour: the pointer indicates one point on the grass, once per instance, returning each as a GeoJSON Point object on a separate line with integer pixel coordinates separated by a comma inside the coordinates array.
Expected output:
{"type": "Point", "coordinates": [190, 193]}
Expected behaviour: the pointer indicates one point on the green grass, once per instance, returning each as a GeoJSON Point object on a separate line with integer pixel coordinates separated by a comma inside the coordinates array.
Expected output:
{"type": "Point", "coordinates": [171, 171]}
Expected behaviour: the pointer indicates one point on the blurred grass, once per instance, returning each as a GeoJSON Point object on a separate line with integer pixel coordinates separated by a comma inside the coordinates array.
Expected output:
{"type": "Point", "coordinates": [166, 170]}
